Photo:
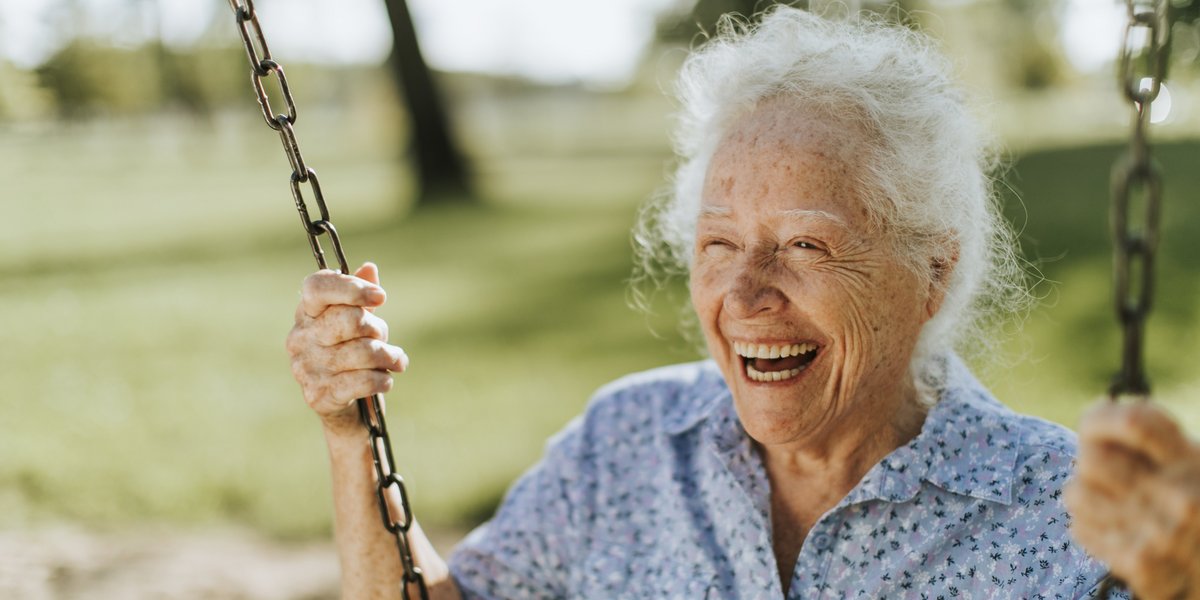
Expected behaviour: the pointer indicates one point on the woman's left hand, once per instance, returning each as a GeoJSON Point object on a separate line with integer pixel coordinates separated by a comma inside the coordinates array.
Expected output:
{"type": "Point", "coordinates": [1135, 499]}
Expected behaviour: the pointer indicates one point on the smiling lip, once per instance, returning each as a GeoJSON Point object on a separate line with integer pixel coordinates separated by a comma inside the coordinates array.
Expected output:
{"type": "Point", "coordinates": [768, 363]}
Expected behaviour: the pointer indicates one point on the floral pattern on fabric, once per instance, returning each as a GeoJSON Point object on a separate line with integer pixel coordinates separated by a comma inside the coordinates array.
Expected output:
{"type": "Point", "coordinates": [657, 492]}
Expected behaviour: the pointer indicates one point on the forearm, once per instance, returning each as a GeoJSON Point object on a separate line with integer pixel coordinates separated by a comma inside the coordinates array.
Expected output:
{"type": "Point", "coordinates": [367, 551]}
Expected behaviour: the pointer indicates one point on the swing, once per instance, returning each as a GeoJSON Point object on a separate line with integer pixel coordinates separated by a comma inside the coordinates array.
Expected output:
{"type": "Point", "coordinates": [390, 490]}
{"type": "Point", "coordinates": [1134, 244]}
{"type": "Point", "coordinates": [1133, 258]}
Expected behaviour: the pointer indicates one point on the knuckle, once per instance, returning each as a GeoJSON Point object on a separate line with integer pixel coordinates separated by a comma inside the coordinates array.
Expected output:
{"type": "Point", "coordinates": [320, 278]}
{"type": "Point", "coordinates": [317, 285]}
{"type": "Point", "coordinates": [379, 351]}
{"type": "Point", "coordinates": [361, 322]}
{"type": "Point", "coordinates": [364, 325]}
{"type": "Point", "coordinates": [377, 382]}
{"type": "Point", "coordinates": [1130, 419]}
{"type": "Point", "coordinates": [327, 328]}
{"type": "Point", "coordinates": [311, 284]}
{"type": "Point", "coordinates": [293, 343]}
{"type": "Point", "coordinates": [299, 372]}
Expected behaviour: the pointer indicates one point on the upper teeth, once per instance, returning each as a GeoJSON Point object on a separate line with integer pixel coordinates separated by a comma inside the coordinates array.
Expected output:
{"type": "Point", "coordinates": [765, 351]}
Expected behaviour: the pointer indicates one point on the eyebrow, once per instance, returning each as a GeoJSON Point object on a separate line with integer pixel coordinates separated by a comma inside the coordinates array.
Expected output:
{"type": "Point", "coordinates": [724, 212]}
{"type": "Point", "coordinates": [817, 214]}
{"type": "Point", "coordinates": [716, 211]}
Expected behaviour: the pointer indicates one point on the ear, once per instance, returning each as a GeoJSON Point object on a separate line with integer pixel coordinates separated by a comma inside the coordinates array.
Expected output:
{"type": "Point", "coordinates": [941, 269]}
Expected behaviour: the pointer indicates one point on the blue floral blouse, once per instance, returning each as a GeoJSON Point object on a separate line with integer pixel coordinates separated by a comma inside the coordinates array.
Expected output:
{"type": "Point", "coordinates": [657, 492]}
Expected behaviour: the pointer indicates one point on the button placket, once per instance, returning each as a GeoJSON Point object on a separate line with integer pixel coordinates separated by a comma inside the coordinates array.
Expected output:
{"type": "Point", "coordinates": [808, 579]}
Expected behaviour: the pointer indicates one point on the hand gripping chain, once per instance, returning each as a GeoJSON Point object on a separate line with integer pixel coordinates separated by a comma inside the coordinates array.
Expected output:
{"type": "Point", "coordinates": [395, 512]}
{"type": "Point", "coordinates": [1134, 246]}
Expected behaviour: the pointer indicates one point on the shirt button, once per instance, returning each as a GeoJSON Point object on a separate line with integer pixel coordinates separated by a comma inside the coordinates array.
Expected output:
{"type": "Point", "coordinates": [821, 541]}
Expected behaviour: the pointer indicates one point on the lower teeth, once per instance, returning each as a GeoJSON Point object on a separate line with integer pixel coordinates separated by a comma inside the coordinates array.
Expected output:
{"type": "Point", "coordinates": [757, 375]}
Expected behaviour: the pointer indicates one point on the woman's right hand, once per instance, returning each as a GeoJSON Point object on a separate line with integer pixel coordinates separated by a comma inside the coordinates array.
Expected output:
{"type": "Point", "coordinates": [338, 346]}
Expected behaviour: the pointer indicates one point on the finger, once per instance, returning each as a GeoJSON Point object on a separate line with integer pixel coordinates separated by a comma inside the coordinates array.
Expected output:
{"type": "Point", "coordinates": [1111, 467]}
{"type": "Point", "coordinates": [1177, 498]}
{"type": "Point", "coordinates": [1099, 521]}
{"type": "Point", "coordinates": [1141, 427]}
{"type": "Point", "coordinates": [327, 288]}
{"type": "Point", "coordinates": [1126, 533]}
{"type": "Point", "coordinates": [365, 353]}
{"type": "Point", "coordinates": [1155, 567]}
{"type": "Point", "coordinates": [342, 323]}
{"type": "Point", "coordinates": [369, 271]}
{"type": "Point", "coordinates": [348, 386]}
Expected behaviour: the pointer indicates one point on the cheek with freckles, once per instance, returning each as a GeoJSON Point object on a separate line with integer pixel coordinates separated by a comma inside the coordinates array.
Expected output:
{"type": "Point", "coordinates": [705, 286]}
{"type": "Point", "coordinates": [870, 309]}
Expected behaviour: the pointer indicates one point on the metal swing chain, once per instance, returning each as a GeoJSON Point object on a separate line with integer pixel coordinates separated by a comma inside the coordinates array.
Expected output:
{"type": "Point", "coordinates": [1134, 243]}
{"type": "Point", "coordinates": [370, 410]}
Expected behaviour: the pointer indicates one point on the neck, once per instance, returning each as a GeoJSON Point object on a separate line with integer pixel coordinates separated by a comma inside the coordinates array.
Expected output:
{"type": "Point", "coordinates": [838, 457]}
{"type": "Point", "coordinates": [811, 475]}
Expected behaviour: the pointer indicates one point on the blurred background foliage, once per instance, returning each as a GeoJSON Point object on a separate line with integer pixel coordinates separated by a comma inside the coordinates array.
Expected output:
{"type": "Point", "coordinates": [150, 257]}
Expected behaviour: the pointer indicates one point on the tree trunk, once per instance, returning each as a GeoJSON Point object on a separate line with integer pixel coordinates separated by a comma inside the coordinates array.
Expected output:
{"type": "Point", "coordinates": [441, 169]}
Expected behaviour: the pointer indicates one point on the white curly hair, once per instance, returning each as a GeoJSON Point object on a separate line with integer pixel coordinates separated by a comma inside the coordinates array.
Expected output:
{"type": "Point", "coordinates": [927, 181]}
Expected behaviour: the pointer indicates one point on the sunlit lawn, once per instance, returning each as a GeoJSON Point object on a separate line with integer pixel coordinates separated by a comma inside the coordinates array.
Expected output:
{"type": "Point", "coordinates": [148, 274]}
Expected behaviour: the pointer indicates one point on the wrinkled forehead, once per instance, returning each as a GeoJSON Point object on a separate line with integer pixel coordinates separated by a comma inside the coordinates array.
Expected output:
{"type": "Point", "coordinates": [786, 125]}
{"type": "Point", "coordinates": [779, 159]}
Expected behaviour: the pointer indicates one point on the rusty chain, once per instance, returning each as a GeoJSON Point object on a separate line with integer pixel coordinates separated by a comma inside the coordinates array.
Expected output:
{"type": "Point", "coordinates": [390, 490]}
{"type": "Point", "coordinates": [1136, 178]}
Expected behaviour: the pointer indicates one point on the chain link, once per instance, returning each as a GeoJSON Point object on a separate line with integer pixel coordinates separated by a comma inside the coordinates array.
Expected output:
{"type": "Point", "coordinates": [1136, 177]}
{"type": "Point", "coordinates": [1137, 180]}
{"type": "Point", "coordinates": [390, 490]}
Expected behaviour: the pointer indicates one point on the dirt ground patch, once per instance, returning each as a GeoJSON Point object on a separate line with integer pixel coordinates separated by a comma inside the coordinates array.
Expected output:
{"type": "Point", "coordinates": [162, 564]}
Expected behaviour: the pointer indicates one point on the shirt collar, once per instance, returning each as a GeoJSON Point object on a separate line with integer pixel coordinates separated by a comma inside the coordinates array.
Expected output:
{"type": "Point", "coordinates": [966, 446]}
{"type": "Point", "coordinates": [707, 392]}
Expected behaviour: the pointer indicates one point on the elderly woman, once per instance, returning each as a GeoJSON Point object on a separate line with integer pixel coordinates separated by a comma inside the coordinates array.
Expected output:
{"type": "Point", "coordinates": [833, 213]}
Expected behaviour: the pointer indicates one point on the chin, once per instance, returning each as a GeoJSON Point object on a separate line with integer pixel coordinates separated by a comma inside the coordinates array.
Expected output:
{"type": "Point", "coordinates": [774, 414]}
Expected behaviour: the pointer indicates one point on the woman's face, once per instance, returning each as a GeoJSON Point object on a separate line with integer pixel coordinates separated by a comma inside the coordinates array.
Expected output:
{"type": "Point", "coordinates": [810, 315]}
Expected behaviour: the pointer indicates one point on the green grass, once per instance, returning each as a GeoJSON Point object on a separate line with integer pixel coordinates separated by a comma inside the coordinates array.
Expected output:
{"type": "Point", "coordinates": [148, 272]}
{"type": "Point", "coordinates": [1069, 349]}
{"type": "Point", "coordinates": [144, 371]}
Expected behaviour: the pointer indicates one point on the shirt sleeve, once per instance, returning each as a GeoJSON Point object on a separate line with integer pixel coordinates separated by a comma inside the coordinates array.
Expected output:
{"type": "Point", "coordinates": [526, 550]}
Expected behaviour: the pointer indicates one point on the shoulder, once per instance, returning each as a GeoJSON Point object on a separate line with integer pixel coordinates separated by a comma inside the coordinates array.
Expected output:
{"type": "Point", "coordinates": [1024, 441]}
{"type": "Point", "coordinates": [1045, 447]}
{"type": "Point", "coordinates": [1019, 465]}
{"type": "Point", "coordinates": [1037, 443]}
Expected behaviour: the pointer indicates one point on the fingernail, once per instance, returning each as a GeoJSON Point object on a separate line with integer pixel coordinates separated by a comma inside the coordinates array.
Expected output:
{"type": "Point", "coordinates": [376, 295]}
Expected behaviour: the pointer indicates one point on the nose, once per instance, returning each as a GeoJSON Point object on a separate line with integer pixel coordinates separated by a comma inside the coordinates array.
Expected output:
{"type": "Point", "coordinates": [754, 291]}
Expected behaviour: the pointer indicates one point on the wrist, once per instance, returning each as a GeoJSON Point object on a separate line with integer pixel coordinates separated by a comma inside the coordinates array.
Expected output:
{"type": "Point", "coordinates": [343, 430]}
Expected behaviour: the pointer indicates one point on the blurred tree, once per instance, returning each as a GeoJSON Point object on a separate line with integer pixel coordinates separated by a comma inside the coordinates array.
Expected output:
{"type": "Point", "coordinates": [179, 84]}
{"type": "Point", "coordinates": [1185, 33]}
{"type": "Point", "coordinates": [88, 77]}
{"type": "Point", "coordinates": [701, 18]}
{"type": "Point", "coordinates": [441, 169]}
{"type": "Point", "coordinates": [1033, 51]}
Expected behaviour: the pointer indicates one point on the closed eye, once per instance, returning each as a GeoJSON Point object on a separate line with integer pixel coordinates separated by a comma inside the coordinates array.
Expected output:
{"type": "Point", "coordinates": [718, 246]}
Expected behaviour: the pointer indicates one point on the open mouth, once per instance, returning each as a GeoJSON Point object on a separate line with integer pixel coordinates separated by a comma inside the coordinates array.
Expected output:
{"type": "Point", "coordinates": [763, 362]}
